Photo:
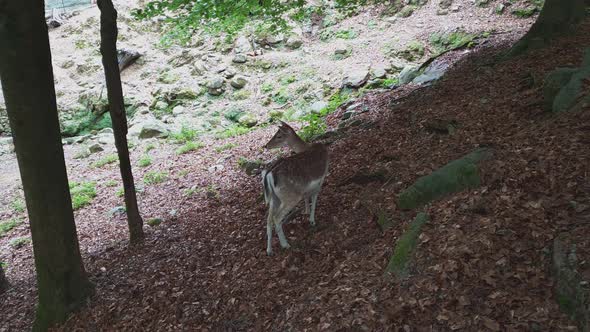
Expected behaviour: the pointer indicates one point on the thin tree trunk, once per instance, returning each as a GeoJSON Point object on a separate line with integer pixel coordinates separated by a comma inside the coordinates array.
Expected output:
{"type": "Point", "coordinates": [556, 17]}
{"type": "Point", "coordinates": [29, 93]}
{"type": "Point", "coordinates": [108, 48]}
{"type": "Point", "coordinates": [3, 281]}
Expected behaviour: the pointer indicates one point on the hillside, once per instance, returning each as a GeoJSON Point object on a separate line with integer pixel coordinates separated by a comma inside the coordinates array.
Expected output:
{"type": "Point", "coordinates": [482, 261]}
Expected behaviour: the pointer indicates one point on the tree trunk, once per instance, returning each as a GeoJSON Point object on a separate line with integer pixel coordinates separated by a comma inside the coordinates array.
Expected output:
{"type": "Point", "coordinates": [108, 48]}
{"type": "Point", "coordinates": [556, 17]}
{"type": "Point", "coordinates": [29, 93]}
{"type": "Point", "coordinates": [3, 281]}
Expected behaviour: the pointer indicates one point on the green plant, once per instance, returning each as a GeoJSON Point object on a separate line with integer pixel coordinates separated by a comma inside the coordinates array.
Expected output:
{"type": "Point", "coordinates": [185, 134]}
{"type": "Point", "coordinates": [281, 97]}
{"type": "Point", "coordinates": [232, 131]}
{"type": "Point", "coordinates": [266, 87]}
{"type": "Point", "coordinates": [106, 160]}
{"type": "Point", "coordinates": [407, 11]}
{"type": "Point", "coordinates": [120, 192]}
{"type": "Point", "coordinates": [389, 82]}
{"type": "Point", "coordinates": [183, 173]}
{"type": "Point", "coordinates": [345, 34]}
{"type": "Point", "coordinates": [190, 192]}
{"type": "Point", "coordinates": [188, 147]}
{"type": "Point", "coordinates": [144, 161]}
{"type": "Point", "coordinates": [525, 12]}
{"type": "Point", "coordinates": [155, 177]}
{"type": "Point", "coordinates": [7, 225]}
{"type": "Point", "coordinates": [150, 147]}
{"type": "Point", "coordinates": [286, 80]}
{"type": "Point", "coordinates": [224, 147]}
{"type": "Point", "coordinates": [315, 121]}
{"type": "Point", "coordinates": [19, 242]}
{"type": "Point", "coordinates": [82, 193]}
{"type": "Point", "coordinates": [18, 205]}
{"type": "Point", "coordinates": [240, 95]}
{"type": "Point", "coordinates": [413, 51]}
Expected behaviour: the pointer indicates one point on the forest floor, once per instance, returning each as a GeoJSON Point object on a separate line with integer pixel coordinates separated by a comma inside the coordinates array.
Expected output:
{"type": "Point", "coordinates": [481, 263]}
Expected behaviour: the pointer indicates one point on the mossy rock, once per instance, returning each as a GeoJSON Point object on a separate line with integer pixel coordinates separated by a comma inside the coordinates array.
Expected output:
{"type": "Point", "coordinates": [554, 82]}
{"type": "Point", "coordinates": [154, 222]}
{"type": "Point", "coordinates": [456, 176]}
{"type": "Point", "coordinates": [399, 262]}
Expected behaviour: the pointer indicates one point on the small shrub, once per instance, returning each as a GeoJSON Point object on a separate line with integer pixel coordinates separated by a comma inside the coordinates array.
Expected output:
{"type": "Point", "coordinates": [144, 161]}
{"type": "Point", "coordinates": [240, 95]}
{"type": "Point", "coordinates": [266, 87]}
{"type": "Point", "coordinates": [188, 147]}
{"type": "Point", "coordinates": [19, 242]}
{"type": "Point", "coordinates": [106, 160]}
{"type": "Point", "coordinates": [190, 192]}
{"type": "Point", "coordinates": [7, 225]}
{"type": "Point", "coordinates": [286, 80]}
{"type": "Point", "coordinates": [412, 52]}
{"type": "Point", "coordinates": [281, 97]}
{"type": "Point", "coordinates": [82, 193]}
{"type": "Point", "coordinates": [525, 12]}
{"type": "Point", "coordinates": [120, 192]}
{"type": "Point", "coordinates": [155, 177]}
{"type": "Point", "coordinates": [150, 147]}
{"type": "Point", "coordinates": [225, 147]}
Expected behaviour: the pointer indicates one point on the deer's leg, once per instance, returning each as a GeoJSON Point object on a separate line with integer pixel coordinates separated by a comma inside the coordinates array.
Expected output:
{"type": "Point", "coordinates": [306, 202]}
{"type": "Point", "coordinates": [279, 227]}
{"type": "Point", "coordinates": [314, 200]}
{"type": "Point", "coordinates": [269, 222]}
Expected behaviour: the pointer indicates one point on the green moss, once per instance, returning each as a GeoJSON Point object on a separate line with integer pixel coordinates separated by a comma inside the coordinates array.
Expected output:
{"type": "Point", "coordinates": [282, 96]}
{"type": "Point", "coordinates": [345, 34]}
{"type": "Point", "coordinates": [154, 222]}
{"type": "Point", "coordinates": [240, 95]}
{"type": "Point", "coordinates": [286, 80]}
{"type": "Point", "coordinates": [150, 147]}
{"type": "Point", "coordinates": [414, 51]}
{"type": "Point", "coordinates": [7, 225]}
{"type": "Point", "coordinates": [266, 87]}
{"type": "Point", "coordinates": [448, 41]}
{"type": "Point", "coordinates": [405, 246]}
{"type": "Point", "coordinates": [106, 160]}
{"type": "Point", "coordinates": [455, 176]}
{"type": "Point", "coordinates": [18, 205]}
{"type": "Point", "coordinates": [155, 177]}
{"type": "Point", "coordinates": [232, 131]}
{"type": "Point", "coordinates": [525, 12]}
{"type": "Point", "coordinates": [186, 134]}
{"type": "Point", "coordinates": [407, 11]}
{"type": "Point", "coordinates": [82, 193]}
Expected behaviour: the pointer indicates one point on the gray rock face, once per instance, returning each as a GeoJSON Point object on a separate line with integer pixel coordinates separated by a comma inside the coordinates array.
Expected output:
{"type": "Point", "coordinates": [408, 74]}
{"type": "Point", "coordinates": [242, 45]}
{"type": "Point", "coordinates": [96, 147]}
{"type": "Point", "coordinates": [432, 73]}
{"type": "Point", "coordinates": [248, 120]}
{"type": "Point", "coordinates": [294, 42]}
{"type": "Point", "coordinates": [379, 71]}
{"type": "Point", "coordinates": [215, 86]}
{"type": "Point", "coordinates": [240, 58]}
{"type": "Point", "coordinates": [238, 82]}
{"type": "Point", "coordinates": [356, 78]}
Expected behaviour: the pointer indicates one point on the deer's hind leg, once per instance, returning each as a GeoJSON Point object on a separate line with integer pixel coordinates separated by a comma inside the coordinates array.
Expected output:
{"type": "Point", "coordinates": [269, 222]}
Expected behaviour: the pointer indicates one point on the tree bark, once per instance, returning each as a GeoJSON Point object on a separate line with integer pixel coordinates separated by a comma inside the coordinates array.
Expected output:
{"type": "Point", "coordinates": [3, 281]}
{"type": "Point", "coordinates": [108, 49]}
{"type": "Point", "coordinates": [29, 94]}
{"type": "Point", "coordinates": [556, 17]}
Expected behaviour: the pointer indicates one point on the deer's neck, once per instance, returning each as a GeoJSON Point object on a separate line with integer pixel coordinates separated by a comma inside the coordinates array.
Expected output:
{"type": "Point", "coordinates": [297, 144]}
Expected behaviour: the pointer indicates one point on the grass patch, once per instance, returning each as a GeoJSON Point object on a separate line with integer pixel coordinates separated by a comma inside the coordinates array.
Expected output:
{"type": "Point", "coordinates": [144, 161]}
{"type": "Point", "coordinates": [525, 12]}
{"type": "Point", "coordinates": [315, 121]}
{"type": "Point", "coordinates": [185, 134]}
{"type": "Point", "coordinates": [120, 192]}
{"type": "Point", "coordinates": [389, 82]}
{"type": "Point", "coordinates": [188, 147]}
{"type": "Point", "coordinates": [281, 97]}
{"type": "Point", "coordinates": [232, 131]}
{"type": "Point", "coordinates": [19, 242]}
{"type": "Point", "coordinates": [82, 193]}
{"type": "Point", "coordinates": [240, 95]}
{"type": "Point", "coordinates": [266, 87]}
{"type": "Point", "coordinates": [412, 52]}
{"type": "Point", "coordinates": [286, 80]}
{"type": "Point", "coordinates": [190, 192]}
{"type": "Point", "coordinates": [111, 183]}
{"type": "Point", "coordinates": [18, 205]}
{"type": "Point", "coordinates": [7, 225]}
{"type": "Point", "coordinates": [225, 147]}
{"type": "Point", "coordinates": [150, 147]}
{"type": "Point", "coordinates": [155, 177]}
{"type": "Point", "coordinates": [106, 160]}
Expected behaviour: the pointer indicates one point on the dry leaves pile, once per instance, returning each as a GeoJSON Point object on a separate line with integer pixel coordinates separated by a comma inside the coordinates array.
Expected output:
{"type": "Point", "coordinates": [481, 263]}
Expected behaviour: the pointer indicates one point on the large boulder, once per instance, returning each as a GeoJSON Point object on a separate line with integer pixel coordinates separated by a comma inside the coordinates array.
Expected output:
{"type": "Point", "coordinates": [149, 127]}
{"type": "Point", "coordinates": [294, 42]}
{"type": "Point", "coordinates": [215, 86]}
{"type": "Point", "coordinates": [238, 82]}
{"type": "Point", "coordinates": [408, 74]}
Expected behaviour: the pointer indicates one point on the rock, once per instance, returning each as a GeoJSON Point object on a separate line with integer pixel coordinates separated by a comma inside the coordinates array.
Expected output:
{"type": "Point", "coordinates": [240, 58]}
{"type": "Point", "coordinates": [408, 74]}
{"type": "Point", "coordinates": [229, 72]}
{"type": "Point", "coordinates": [432, 73]}
{"type": "Point", "coordinates": [215, 86]}
{"type": "Point", "coordinates": [356, 78]}
{"type": "Point", "coordinates": [178, 110]}
{"type": "Point", "coordinates": [318, 106]}
{"type": "Point", "coordinates": [117, 211]}
{"type": "Point", "coordinates": [215, 168]}
{"type": "Point", "coordinates": [274, 39]}
{"type": "Point", "coordinates": [341, 49]}
{"type": "Point", "coordinates": [248, 120]}
{"type": "Point", "coordinates": [107, 139]}
{"type": "Point", "coordinates": [242, 45]}
{"type": "Point", "coordinates": [455, 8]}
{"type": "Point", "coordinates": [238, 82]}
{"type": "Point", "coordinates": [148, 128]}
{"type": "Point", "coordinates": [294, 42]}
{"type": "Point", "coordinates": [126, 58]}
{"type": "Point", "coordinates": [154, 221]}
{"type": "Point", "coordinates": [391, 19]}
{"type": "Point", "coordinates": [553, 82]}
{"type": "Point", "coordinates": [347, 115]}
{"type": "Point", "coordinates": [53, 23]}
{"type": "Point", "coordinates": [499, 8]}
{"type": "Point", "coordinates": [95, 147]}
{"type": "Point", "coordinates": [445, 4]}
{"type": "Point", "coordinates": [379, 71]}
{"type": "Point", "coordinates": [106, 131]}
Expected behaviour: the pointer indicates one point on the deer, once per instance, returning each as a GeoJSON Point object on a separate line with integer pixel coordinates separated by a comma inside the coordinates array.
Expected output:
{"type": "Point", "coordinates": [292, 179]}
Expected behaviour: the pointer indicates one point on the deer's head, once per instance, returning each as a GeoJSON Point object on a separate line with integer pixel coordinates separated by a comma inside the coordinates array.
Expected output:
{"type": "Point", "coordinates": [284, 136]}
